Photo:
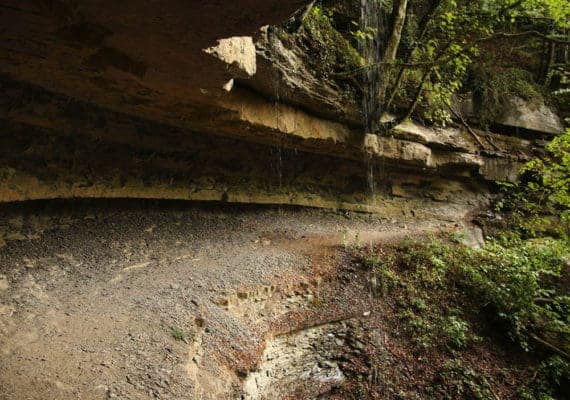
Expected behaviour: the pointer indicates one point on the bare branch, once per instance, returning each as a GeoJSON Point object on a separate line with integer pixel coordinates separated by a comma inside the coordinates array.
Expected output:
{"type": "Point", "coordinates": [552, 347]}
{"type": "Point", "coordinates": [466, 125]}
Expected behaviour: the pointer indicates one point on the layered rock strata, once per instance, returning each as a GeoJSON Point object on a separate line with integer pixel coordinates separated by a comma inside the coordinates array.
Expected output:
{"type": "Point", "coordinates": [102, 102]}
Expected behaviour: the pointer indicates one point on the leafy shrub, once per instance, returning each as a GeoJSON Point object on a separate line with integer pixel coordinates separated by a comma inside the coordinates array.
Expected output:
{"type": "Point", "coordinates": [551, 376]}
{"type": "Point", "coordinates": [540, 203]}
{"type": "Point", "coordinates": [383, 280]}
{"type": "Point", "coordinates": [428, 327]}
{"type": "Point", "coordinates": [457, 381]}
{"type": "Point", "coordinates": [446, 293]}
{"type": "Point", "coordinates": [516, 283]}
{"type": "Point", "coordinates": [456, 331]}
{"type": "Point", "coordinates": [512, 278]}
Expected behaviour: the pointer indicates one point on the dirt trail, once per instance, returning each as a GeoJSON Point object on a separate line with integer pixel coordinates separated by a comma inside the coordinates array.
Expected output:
{"type": "Point", "coordinates": [106, 300]}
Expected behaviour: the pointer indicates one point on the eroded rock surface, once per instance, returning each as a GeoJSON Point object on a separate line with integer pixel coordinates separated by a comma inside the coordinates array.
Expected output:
{"type": "Point", "coordinates": [298, 361]}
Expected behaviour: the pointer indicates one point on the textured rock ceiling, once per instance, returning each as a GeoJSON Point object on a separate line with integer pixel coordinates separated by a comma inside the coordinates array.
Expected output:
{"type": "Point", "coordinates": [119, 54]}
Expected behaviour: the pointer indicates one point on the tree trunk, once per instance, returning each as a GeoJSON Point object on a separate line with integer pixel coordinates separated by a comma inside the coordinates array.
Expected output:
{"type": "Point", "coordinates": [308, 9]}
{"type": "Point", "coordinates": [423, 27]}
{"type": "Point", "coordinates": [549, 62]}
{"type": "Point", "coordinates": [297, 20]}
{"type": "Point", "coordinates": [398, 19]}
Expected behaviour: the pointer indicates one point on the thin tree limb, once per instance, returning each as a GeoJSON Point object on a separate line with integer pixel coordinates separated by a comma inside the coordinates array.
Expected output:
{"type": "Point", "coordinates": [398, 19]}
{"type": "Point", "coordinates": [552, 347]}
{"type": "Point", "coordinates": [396, 121]}
{"type": "Point", "coordinates": [466, 125]}
{"type": "Point", "coordinates": [443, 61]}
{"type": "Point", "coordinates": [423, 25]}
{"type": "Point", "coordinates": [418, 95]}
{"type": "Point", "coordinates": [298, 17]}
{"type": "Point", "coordinates": [308, 9]}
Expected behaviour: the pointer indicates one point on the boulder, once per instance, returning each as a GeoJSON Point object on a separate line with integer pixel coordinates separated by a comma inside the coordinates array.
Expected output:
{"type": "Point", "coordinates": [515, 112]}
{"type": "Point", "coordinates": [530, 115]}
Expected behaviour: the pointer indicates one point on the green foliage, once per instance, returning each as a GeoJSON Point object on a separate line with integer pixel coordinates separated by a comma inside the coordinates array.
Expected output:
{"type": "Point", "coordinates": [429, 327]}
{"type": "Point", "coordinates": [458, 381]}
{"type": "Point", "coordinates": [509, 276]}
{"type": "Point", "coordinates": [330, 51]}
{"type": "Point", "coordinates": [383, 280]}
{"type": "Point", "coordinates": [506, 277]}
{"type": "Point", "coordinates": [554, 173]}
{"type": "Point", "coordinates": [456, 330]}
{"type": "Point", "coordinates": [418, 291]}
{"type": "Point", "coordinates": [362, 35]}
{"type": "Point", "coordinates": [178, 334]}
{"type": "Point", "coordinates": [446, 293]}
{"type": "Point", "coordinates": [420, 328]}
{"type": "Point", "coordinates": [441, 42]}
{"type": "Point", "coordinates": [557, 10]}
{"type": "Point", "coordinates": [551, 375]}
{"type": "Point", "coordinates": [370, 261]}
{"type": "Point", "coordinates": [450, 32]}
{"type": "Point", "coordinates": [540, 203]}
{"type": "Point", "coordinates": [440, 45]}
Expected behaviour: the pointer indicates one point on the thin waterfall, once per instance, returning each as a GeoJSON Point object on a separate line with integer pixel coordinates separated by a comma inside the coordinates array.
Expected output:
{"type": "Point", "coordinates": [276, 151]}
{"type": "Point", "coordinates": [371, 49]}
{"type": "Point", "coordinates": [370, 177]}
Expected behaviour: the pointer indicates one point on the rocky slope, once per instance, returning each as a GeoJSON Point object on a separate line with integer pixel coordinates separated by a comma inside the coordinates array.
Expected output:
{"type": "Point", "coordinates": [141, 300]}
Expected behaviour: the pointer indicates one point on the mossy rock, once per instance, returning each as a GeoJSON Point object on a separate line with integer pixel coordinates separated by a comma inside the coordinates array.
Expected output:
{"type": "Point", "coordinates": [330, 52]}
{"type": "Point", "coordinates": [492, 88]}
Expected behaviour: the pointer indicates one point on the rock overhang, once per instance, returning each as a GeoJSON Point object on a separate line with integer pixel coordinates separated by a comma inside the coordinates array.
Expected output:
{"type": "Point", "coordinates": [163, 70]}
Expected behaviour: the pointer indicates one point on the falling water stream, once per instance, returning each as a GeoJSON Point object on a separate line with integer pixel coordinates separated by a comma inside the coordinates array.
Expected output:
{"type": "Point", "coordinates": [371, 49]}
{"type": "Point", "coordinates": [371, 24]}
{"type": "Point", "coordinates": [277, 150]}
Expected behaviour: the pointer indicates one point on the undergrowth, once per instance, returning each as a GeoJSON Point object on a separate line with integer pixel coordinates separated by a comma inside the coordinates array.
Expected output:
{"type": "Point", "coordinates": [539, 205]}
{"type": "Point", "coordinates": [178, 334]}
{"type": "Point", "coordinates": [451, 297]}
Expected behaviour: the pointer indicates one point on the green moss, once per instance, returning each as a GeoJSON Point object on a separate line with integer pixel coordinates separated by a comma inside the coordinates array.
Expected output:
{"type": "Point", "coordinates": [330, 52]}
{"type": "Point", "coordinates": [462, 381]}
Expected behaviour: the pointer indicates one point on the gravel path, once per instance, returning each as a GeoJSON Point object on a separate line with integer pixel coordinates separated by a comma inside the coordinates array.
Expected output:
{"type": "Point", "coordinates": [116, 299]}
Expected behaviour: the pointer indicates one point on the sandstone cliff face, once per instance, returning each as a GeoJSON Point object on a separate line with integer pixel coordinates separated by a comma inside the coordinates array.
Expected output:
{"type": "Point", "coordinates": [178, 102]}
